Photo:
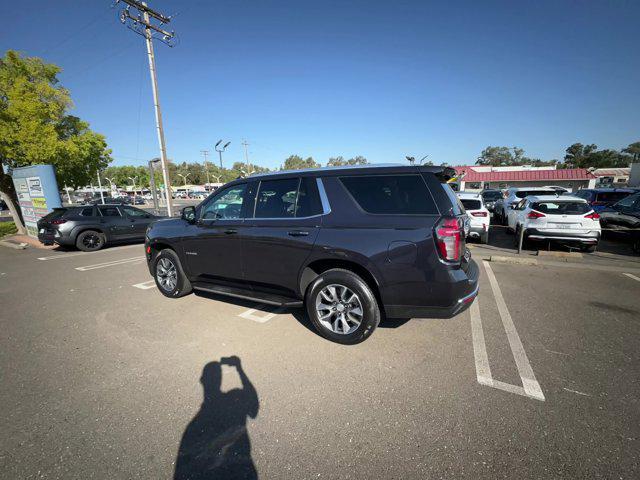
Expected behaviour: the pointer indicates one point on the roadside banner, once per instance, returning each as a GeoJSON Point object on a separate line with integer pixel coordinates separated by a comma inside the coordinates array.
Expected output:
{"type": "Point", "coordinates": [37, 191]}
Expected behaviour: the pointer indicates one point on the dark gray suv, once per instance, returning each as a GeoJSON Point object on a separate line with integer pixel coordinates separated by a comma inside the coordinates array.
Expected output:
{"type": "Point", "coordinates": [351, 244]}
{"type": "Point", "coordinates": [90, 227]}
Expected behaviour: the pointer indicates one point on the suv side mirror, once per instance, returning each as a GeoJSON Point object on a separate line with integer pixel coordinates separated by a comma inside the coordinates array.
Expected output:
{"type": "Point", "coordinates": [189, 214]}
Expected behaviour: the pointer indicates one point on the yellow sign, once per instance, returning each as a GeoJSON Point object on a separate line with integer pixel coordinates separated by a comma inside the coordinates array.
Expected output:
{"type": "Point", "coordinates": [39, 203]}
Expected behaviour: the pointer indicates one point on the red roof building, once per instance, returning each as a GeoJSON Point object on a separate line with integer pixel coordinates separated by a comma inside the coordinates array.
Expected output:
{"type": "Point", "coordinates": [478, 178]}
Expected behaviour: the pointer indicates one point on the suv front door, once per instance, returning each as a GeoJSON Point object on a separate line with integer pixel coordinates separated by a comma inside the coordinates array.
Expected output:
{"type": "Point", "coordinates": [213, 245]}
{"type": "Point", "coordinates": [281, 233]}
{"type": "Point", "coordinates": [139, 220]}
{"type": "Point", "coordinates": [114, 222]}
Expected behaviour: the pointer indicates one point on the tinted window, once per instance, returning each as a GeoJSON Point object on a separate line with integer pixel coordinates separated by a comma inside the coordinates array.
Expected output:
{"type": "Point", "coordinates": [86, 212]}
{"type": "Point", "coordinates": [134, 212]}
{"type": "Point", "coordinates": [392, 194]}
{"type": "Point", "coordinates": [562, 208]}
{"type": "Point", "coordinates": [611, 196]}
{"type": "Point", "coordinates": [226, 204]}
{"type": "Point", "coordinates": [628, 201]}
{"type": "Point", "coordinates": [491, 196]}
{"type": "Point", "coordinates": [277, 198]}
{"type": "Point", "coordinates": [526, 193]}
{"type": "Point", "coordinates": [471, 204]}
{"type": "Point", "coordinates": [309, 203]}
{"type": "Point", "coordinates": [109, 211]}
{"type": "Point", "coordinates": [586, 194]}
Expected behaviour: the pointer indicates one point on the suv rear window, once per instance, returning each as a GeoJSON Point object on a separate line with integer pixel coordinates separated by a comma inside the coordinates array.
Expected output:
{"type": "Point", "coordinates": [562, 208]}
{"type": "Point", "coordinates": [391, 194]}
{"type": "Point", "coordinates": [471, 204]}
{"type": "Point", "coordinates": [491, 196]}
{"type": "Point", "coordinates": [611, 196]}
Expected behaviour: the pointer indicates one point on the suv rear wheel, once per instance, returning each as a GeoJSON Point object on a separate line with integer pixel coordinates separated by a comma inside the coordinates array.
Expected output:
{"type": "Point", "coordinates": [169, 276]}
{"type": "Point", "coordinates": [342, 307]}
{"type": "Point", "coordinates": [90, 241]}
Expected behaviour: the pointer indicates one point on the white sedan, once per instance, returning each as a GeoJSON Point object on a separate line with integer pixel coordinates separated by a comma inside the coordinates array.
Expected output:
{"type": "Point", "coordinates": [563, 219]}
{"type": "Point", "coordinates": [478, 215]}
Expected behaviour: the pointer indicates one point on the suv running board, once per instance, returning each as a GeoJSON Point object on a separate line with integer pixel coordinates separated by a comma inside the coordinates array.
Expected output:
{"type": "Point", "coordinates": [260, 297]}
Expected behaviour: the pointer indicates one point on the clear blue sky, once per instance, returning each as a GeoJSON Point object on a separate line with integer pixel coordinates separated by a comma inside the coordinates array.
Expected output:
{"type": "Point", "coordinates": [379, 79]}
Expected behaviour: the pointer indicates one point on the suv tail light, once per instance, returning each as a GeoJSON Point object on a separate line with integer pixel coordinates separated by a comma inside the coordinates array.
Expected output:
{"type": "Point", "coordinates": [533, 214]}
{"type": "Point", "coordinates": [58, 221]}
{"type": "Point", "coordinates": [479, 214]}
{"type": "Point", "coordinates": [449, 238]}
{"type": "Point", "coordinates": [592, 216]}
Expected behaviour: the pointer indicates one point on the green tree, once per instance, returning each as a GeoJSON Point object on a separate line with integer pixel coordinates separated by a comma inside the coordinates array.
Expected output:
{"type": "Point", "coordinates": [35, 128]}
{"type": "Point", "coordinates": [500, 156]}
{"type": "Point", "coordinates": [588, 156]}
{"type": "Point", "coordinates": [295, 162]}
{"type": "Point", "coordinates": [634, 150]}
{"type": "Point", "coordinates": [357, 160]}
{"type": "Point", "coordinates": [336, 162]}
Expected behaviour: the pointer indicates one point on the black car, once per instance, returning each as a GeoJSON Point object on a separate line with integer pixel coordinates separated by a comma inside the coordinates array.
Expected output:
{"type": "Point", "coordinates": [350, 243]}
{"type": "Point", "coordinates": [490, 197]}
{"type": "Point", "coordinates": [625, 217]}
{"type": "Point", "coordinates": [92, 227]}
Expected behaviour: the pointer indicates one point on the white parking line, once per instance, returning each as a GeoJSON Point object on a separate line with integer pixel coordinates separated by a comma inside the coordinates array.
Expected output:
{"type": "Point", "coordinates": [110, 264]}
{"type": "Point", "coordinates": [145, 285]}
{"type": "Point", "coordinates": [75, 254]}
{"type": "Point", "coordinates": [530, 384]}
{"type": "Point", "coordinates": [631, 275]}
{"type": "Point", "coordinates": [250, 314]}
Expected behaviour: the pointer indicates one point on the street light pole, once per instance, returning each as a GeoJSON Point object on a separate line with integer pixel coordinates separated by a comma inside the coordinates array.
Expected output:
{"type": "Point", "coordinates": [222, 149]}
{"type": "Point", "coordinates": [152, 182]}
{"type": "Point", "coordinates": [100, 187]}
{"type": "Point", "coordinates": [133, 180]}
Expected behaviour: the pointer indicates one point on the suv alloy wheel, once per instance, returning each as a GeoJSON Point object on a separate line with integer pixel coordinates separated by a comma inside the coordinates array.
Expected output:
{"type": "Point", "coordinates": [169, 276]}
{"type": "Point", "coordinates": [342, 307]}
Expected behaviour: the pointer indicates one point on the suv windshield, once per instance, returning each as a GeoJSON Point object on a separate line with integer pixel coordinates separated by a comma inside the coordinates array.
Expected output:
{"type": "Point", "coordinates": [526, 193]}
{"type": "Point", "coordinates": [562, 208]}
{"type": "Point", "coordinates": [492, 196]}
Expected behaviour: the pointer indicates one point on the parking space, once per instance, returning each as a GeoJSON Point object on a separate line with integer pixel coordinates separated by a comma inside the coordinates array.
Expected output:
{"type": "Point", "coordinates": [102, 375]}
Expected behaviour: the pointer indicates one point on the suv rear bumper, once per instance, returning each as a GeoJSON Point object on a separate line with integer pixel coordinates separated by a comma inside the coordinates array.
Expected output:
{"type": "Point", "coordinates": [590, 237]}
{"type": "Point", "coordinates": [468, 292]}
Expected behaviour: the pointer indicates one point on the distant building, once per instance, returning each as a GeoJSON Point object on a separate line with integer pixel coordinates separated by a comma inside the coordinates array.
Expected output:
{"type": "Point", "coordinates": [476, 178]}
{"type": "Point", "coordinates": [612, 177]}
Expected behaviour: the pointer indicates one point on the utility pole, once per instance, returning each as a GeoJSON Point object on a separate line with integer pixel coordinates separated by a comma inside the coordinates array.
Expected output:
{"type": "Point", "coordinates": [246, 157]}
{"type": "Point", "coordinates": [205, 153]}
{"type": "Point", "coordinates": [141, 24]}
{"type": "Point", "coordinates": [152, 184]}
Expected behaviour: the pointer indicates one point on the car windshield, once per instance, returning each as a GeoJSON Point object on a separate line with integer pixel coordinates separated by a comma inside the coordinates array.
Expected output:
{"type": "Point", "coordinates": [526, 193]}
{"type": "Point", "coordinates": [492, 196]}
{"type": "Point", "coordinates": [470, 204]}
{"type": "Point", "coordinates": [562, 208]}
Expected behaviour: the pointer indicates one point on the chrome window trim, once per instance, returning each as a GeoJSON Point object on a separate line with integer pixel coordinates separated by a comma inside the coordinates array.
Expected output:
{"type": "Point", "coordinates": [326, 206]}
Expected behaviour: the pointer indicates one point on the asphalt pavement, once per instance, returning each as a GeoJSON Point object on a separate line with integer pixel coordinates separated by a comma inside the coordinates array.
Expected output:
{"type": "Point", "coordinates": [105, 378]}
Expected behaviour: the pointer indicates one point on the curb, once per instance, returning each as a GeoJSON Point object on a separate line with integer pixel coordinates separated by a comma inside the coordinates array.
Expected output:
{"type": "Point", "coordinates": [513, 260]}
{"type": "Point", "coordinates": [16, 246]}
{"type": "Point", "coordinates": [561, 256]}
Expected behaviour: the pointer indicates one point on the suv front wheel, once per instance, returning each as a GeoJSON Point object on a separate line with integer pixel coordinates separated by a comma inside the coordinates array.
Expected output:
{"type": "Point", "coordinates": [342, 307]}
{"type": "Point", "coordinates": [169, 276]}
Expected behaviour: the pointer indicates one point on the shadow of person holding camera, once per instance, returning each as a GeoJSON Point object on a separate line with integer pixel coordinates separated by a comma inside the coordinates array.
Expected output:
{"type": "Point", "coordinates": [215, 444]}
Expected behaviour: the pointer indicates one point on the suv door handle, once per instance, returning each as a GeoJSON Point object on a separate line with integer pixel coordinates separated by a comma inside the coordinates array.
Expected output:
{"type": "Point", "coordinates": [298, 233]}
{"type": "Point", "coordinates": [230, 231]}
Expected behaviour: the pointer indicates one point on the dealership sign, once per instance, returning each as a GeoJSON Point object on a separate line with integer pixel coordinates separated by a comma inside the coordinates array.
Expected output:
{"type": "Point", "coordinates": [37, 192]}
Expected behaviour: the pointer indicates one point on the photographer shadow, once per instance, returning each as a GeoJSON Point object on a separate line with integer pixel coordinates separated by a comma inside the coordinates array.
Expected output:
{"type": "Point", "coordinates": [215, 444]}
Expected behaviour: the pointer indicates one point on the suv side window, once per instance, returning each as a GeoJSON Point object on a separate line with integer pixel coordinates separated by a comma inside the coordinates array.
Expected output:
{"type": "Point", "coordinates": [392, 194]}
{"type": "Point", "coordinates": [226, 205]}
{"type": "Point", "coordinates": [134, 212]}
{"type": "Point", "coordinates": [277, 198]}
{"type": "Point", "coordinates": [86, 212]}
{"type": "Point", "coordinates": [308, 203]}
{"type": "Point", "coordinates": [109, 211]}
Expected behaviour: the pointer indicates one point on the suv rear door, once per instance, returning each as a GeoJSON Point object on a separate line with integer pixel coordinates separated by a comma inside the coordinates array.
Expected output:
{"type": "Point", "coordinates": [282, 229]}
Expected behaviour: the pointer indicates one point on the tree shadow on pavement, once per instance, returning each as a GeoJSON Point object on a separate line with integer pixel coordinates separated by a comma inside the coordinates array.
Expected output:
{"type": "Point", "coordinates": [215, 444]}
